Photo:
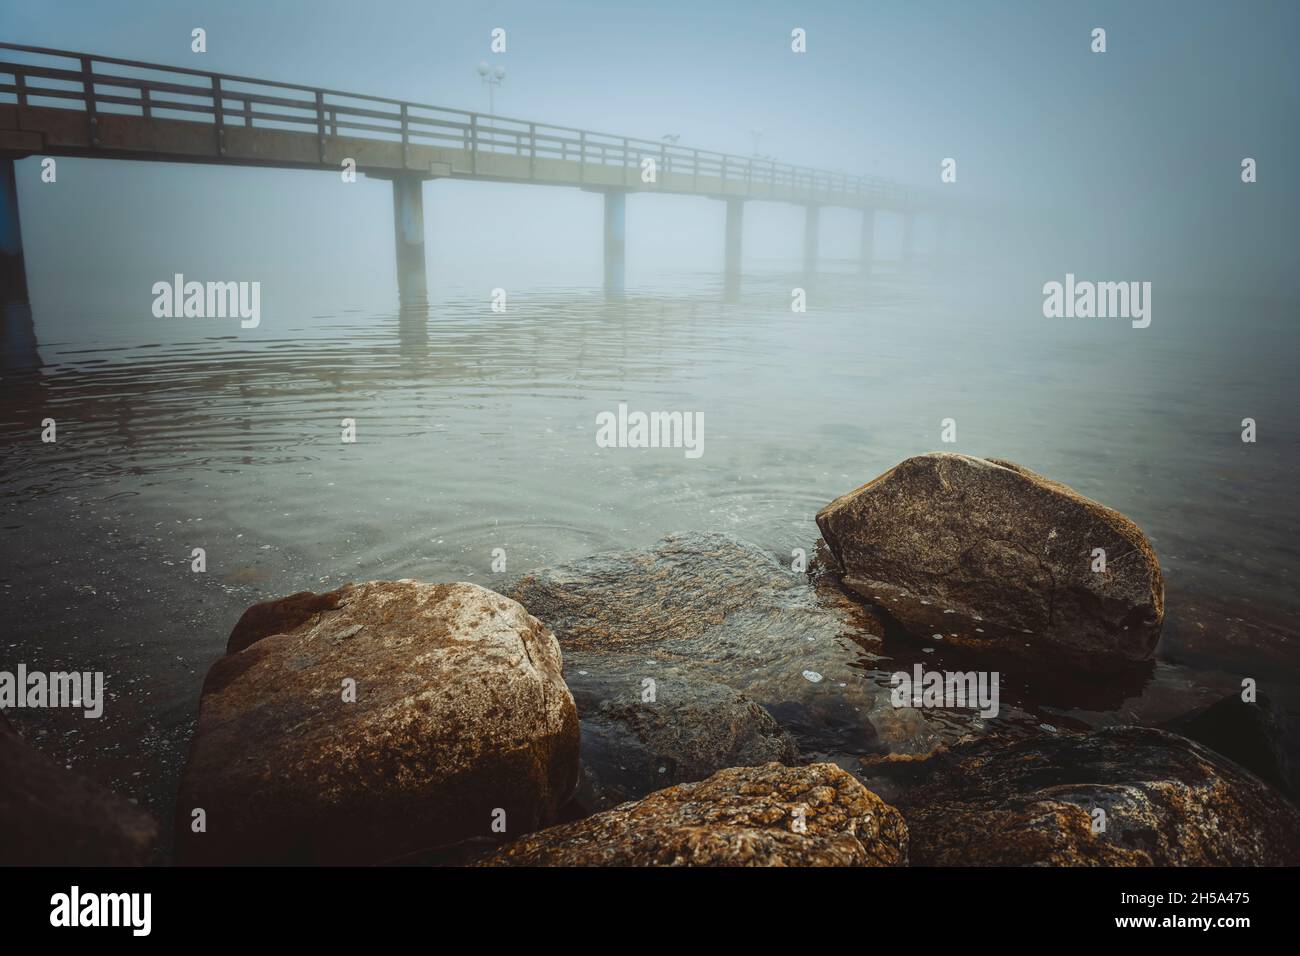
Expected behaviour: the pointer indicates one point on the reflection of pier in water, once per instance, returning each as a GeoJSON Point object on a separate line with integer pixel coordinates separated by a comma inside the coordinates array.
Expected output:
{"type": "Point", "coordinates": [192, 403]}
{"type": "Point", "coordinates": [59, 103]}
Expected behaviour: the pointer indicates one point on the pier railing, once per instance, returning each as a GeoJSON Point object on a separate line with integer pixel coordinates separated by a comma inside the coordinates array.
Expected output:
{"type": "Point", "coordinates": [107, 85]}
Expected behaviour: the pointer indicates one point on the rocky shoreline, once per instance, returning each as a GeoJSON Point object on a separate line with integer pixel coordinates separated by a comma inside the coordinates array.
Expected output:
{"type": "Point", "coordinates": [697, 703]}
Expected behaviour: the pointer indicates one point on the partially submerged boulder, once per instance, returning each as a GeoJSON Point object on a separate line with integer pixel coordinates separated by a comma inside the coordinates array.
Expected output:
{"type": "Point", "coordinates": [1165, 801]}
{"type": "Point", "coordinates": [690, 730]}
{"type": "Point", "coordinates": [998, 557]}
{"type": "Point", "coordinates": [669, 649]}
{"type": "Point", "coordinates": [745, 816]}
{"type": "Point", "coordinates": [460, 714]}
{"type": "Point", "coordinates": [50, 816]}
{"type": "Point", "coordinates": [1262, 735]}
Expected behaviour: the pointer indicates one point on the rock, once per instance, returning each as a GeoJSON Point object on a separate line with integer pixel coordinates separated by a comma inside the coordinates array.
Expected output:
{"type": "Point", "coordinates": [460, 710]}
{"type": "Point", "coordinates": [1263, 737]}
{"type": "Point", "coordinates": [50, 816]}
{"type": "Point", "coordinates": [719, 627]}
{"type": "Point", "coordinates": [693, 728]}
{"type": "Point", "coordinates": [743, 816]}
{"type": "Point", "coordinates": [1001, 556]}
{"type": "Point", "coordinates": [279, 616]}
{"type": "Point", "coordinates": [1167, 802]}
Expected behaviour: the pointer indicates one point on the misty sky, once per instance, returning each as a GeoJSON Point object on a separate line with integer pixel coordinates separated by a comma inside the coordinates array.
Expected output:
{"type": "Point", "coordinates": [1128, 160]}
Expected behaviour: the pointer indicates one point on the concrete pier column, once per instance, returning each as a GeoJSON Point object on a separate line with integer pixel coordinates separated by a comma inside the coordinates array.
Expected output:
{"type": "Point", "coordinates": [615, 231]}
{"type": "Point", "coordinates": [909, 239]}
{"type": "Point", "coordinates": [13, 271]}
{"type": "Point", "coordinates": [408, 235]}
{"type": "Point", "coordinates": [735, 232]}
{"type": "Point", "coordinates": [867, 247]}
{"type": "Point", "coordinates": [811, 231]}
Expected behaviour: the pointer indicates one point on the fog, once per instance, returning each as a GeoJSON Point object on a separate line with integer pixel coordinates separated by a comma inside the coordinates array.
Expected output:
{"type": "Point", "coordinates": [1122, 165]}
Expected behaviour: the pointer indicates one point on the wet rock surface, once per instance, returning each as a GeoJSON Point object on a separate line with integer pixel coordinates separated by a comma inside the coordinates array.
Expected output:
{"type": "Point", "coordinates": [1167, 801]}
{"type": "Point", "coordinates": [1261, 735]}
{"type": "Point", "coordinates": [719, 626]}
{"type": "Point", "coordinates": [750, 816]}
{"type": "Point", "coordinates": [994, 556]}
{"type": "Point", "coordinates": [460, 710]}
{"type": "Point", "coordinates": [691, 730]}
{"type": "Point", "coordinates": [50, 816]}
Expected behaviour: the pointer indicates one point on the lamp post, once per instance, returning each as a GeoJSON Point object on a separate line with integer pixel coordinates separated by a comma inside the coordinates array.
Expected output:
{"type": "Point", "coordinates": [757, 134]}
{"type": "Point", "coordinates": [491, 79]}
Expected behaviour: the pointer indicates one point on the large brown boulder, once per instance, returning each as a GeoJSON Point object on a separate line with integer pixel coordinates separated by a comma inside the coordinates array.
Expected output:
{"type": "Point", "coordinates": [988, 554]}
{"type": "Point", "coordinates": [50, 816]}
{"type": "Point", "coordinates": [744, 816]}
{"type": "Point", "coordinates": [460, 711]}
{"type": "Point", "coordinates": [1166, 801]}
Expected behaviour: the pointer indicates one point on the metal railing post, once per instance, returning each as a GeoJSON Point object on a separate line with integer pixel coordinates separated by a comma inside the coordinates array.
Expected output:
{"type": "Point", "coordinates": [532, 150]}
{"type": "Point", "coordinates": [473, 153]}
{"type": "Point", "coordinates": [88, 89]}
{"type": "Point", "coordinates": [218, 115]}
{"type": "Point", "coordinates": [320, 125]}
{"type": "Point", "coordinates": [406, 136]}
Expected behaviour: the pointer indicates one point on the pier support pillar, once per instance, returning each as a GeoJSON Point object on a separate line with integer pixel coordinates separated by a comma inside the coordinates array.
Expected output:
{"type": "Point", "coordinates": [735, 231]}
{"type": "Point", "coordinates": [867, 247]}
{"type": "Point", "coordinates": [615, 231]}
{"type": "Point", "coordinates": [909, 239]}
{"type": "Point", "coordinates": [408, 233]}
{"type": "Point", "coordinates": [811, 230]}
{"type": "Point", "coordinates": [13, 271]}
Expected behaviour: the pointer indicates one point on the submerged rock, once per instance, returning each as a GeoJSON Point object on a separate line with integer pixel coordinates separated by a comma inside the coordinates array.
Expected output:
{"type": "Point", "coordinates": [1263, 736]}
{"type": "Point", "coordinates": [460, 712]}
{"type": "Point", "coordinates": [707, 626]}
{"type": "Point", "coordinates": [1000, 556]}
{"type": "Point", "coordinates": [692, 729]}
{"type": "Point", "coordinates": [1166, 800]}
{"type": "Point", "coordinates": [50, 816]}
{"type": "Point", "coordinates": [745, 816]}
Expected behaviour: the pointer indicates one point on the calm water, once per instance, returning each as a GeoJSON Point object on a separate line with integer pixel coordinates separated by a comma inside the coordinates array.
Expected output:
{"type": "Point", "coordinates": [476, 431]}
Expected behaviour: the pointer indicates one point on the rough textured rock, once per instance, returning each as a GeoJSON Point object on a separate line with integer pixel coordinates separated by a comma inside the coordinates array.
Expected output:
{"type": "Point", "coordinates": [692, 729]}
{"type": "Point", "coordinates": [1000, 556]}
{"type": "Point", "coordinates": [1168, 802]}
{"type": "Point", "coordinates": [279, 616]}
{"type": "Point", "coordinates": [719, 626]}
{"type": "Point", "coordinates": [744, 816]}
{"type": "Point", "coordinates": [50, 816]}
{"type": "Point", "coordinates": [1262, 736]}
{"type": "Point", "coordinates": [460, 710]}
